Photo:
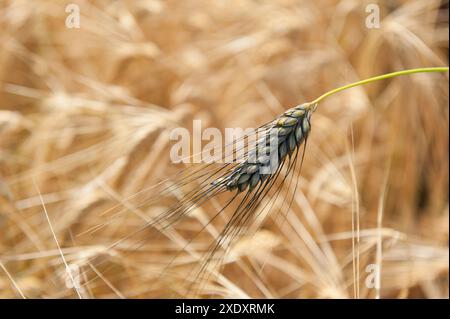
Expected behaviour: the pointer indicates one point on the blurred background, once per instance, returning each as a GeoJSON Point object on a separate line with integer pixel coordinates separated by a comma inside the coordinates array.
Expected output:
{"type": "Point", "coordinates": [85, 110]}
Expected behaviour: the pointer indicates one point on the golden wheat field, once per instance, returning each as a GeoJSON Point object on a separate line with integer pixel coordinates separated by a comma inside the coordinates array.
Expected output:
{"type": "Point", "coordinates": [85, 118]}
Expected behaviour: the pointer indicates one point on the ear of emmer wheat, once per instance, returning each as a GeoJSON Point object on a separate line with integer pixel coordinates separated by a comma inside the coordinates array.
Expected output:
{"type": "Point", "coordinates": [288, 132]}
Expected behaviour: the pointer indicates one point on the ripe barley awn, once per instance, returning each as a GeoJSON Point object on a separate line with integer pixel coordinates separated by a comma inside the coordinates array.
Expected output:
{"type": "Point", "coordinates": [248, 190]}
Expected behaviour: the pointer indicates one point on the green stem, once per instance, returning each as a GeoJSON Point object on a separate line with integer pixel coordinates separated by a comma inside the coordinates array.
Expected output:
{"type": "Point", "coordinates": [377, 78]}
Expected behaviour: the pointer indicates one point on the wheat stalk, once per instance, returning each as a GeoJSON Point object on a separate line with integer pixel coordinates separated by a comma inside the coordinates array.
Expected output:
{"type": "Point", "coordinates": [378, 78]}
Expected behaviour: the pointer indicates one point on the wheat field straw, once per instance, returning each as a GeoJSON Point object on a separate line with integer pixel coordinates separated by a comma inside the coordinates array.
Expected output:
{"type": "Point", "coordinates": [84, 121]}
